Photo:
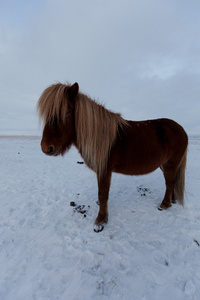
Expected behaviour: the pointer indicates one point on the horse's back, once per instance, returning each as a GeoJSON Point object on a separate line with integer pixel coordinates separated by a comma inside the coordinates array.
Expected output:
{"type": "Point", "coordinates": [164, 133]}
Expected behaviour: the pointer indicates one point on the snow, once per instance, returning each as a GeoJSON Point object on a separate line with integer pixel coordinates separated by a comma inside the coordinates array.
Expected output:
{"type": "Point", "coordinates": [48, 249]}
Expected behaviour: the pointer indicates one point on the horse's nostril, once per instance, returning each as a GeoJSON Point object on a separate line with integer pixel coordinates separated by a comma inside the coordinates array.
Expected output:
{"type": "Point", "coordinates": [51, 149]}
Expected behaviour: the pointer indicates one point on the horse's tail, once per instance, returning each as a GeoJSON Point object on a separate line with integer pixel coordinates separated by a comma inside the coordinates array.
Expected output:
{"type": "Point", "coordinates": [179, 187]}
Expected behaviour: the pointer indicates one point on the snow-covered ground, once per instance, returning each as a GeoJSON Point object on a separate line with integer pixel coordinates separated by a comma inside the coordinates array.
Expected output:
{"type": "Point", "coordinates": [48, 249]}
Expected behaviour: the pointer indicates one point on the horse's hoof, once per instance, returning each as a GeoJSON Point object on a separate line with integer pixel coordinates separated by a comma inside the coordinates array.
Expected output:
{"type": "Point", "coordinates": [163, 206]}
{"type": "Point", "coordinates": [160, 208]}
{"type": "Point", "coordinates": [98, 228]}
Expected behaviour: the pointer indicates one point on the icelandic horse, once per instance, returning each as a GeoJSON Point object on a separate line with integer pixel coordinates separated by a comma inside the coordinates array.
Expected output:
{"type": "Point", "coordinates": [108, 143]}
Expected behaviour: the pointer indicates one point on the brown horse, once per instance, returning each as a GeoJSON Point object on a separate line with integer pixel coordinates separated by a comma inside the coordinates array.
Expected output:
{"type": "Point", "coordinates": [108, 143]}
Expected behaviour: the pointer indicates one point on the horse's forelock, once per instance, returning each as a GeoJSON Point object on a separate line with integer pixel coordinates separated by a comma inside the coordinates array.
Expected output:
{"type": "Point", "coordinates": [53, 103]}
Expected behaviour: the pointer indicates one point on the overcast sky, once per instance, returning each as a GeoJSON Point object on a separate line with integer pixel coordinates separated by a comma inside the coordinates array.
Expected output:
{"type": "Point", "coordinates": [139, 57]}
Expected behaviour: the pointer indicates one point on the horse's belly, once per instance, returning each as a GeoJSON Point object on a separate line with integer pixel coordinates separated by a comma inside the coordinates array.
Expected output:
{"type": "Point", "coordinates": [138, 165]}
{"type": "Point", "coordinates": [135, 170]}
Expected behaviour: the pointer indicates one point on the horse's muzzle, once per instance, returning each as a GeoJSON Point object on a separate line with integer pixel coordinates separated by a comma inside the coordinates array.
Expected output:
{"type": "Point", "coordinates": [49, 150]}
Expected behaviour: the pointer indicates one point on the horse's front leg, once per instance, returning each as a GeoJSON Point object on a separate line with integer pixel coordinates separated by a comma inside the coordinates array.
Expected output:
{"type": "Point", "coordinates": [103, 192]}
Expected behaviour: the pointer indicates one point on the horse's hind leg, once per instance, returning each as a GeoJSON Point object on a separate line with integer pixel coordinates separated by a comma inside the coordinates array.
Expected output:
{"type": "Point", "coordinates": [173, 198]}
{"type": "Point", "coordinates": [170, 175]}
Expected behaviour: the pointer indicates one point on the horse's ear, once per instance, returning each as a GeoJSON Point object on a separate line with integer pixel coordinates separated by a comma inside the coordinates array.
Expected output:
{"type": "Point", "coordinates": [73, 91]}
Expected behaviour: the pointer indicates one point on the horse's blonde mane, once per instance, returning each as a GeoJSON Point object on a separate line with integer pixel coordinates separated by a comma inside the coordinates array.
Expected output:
{"type": "Point", "coordinates": [96, 127]}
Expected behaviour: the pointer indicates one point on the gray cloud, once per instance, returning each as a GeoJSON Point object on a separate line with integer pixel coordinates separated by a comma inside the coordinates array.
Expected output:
{"type": "Point", "coordinates": [140, 58]}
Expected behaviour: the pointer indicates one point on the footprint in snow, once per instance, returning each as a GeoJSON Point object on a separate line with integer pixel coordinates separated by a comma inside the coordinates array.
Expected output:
{"type": "Point", "coordinates": [143, 191]}
{"type": "Point", "coordinates": [81, 209]}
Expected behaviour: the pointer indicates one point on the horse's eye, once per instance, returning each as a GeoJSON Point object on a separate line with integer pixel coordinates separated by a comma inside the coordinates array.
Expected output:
{"type": "Point", "coordinates": [68, 112]}
{"type": "Point", "coordinates": [54, 124]}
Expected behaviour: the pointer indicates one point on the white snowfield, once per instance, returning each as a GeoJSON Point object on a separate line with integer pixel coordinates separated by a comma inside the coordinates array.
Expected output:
{"type": "Point", "coordinates": [48, 249]}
